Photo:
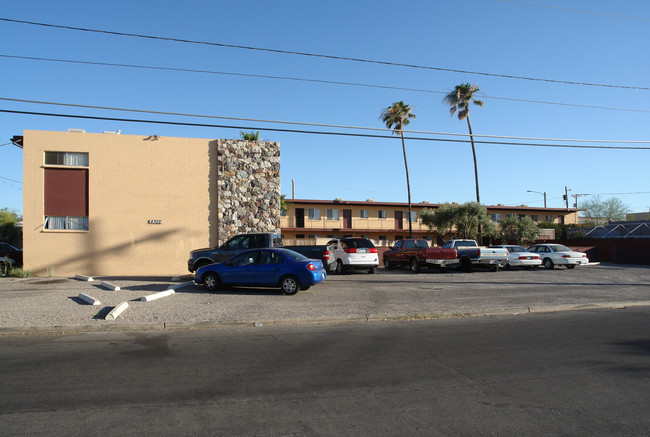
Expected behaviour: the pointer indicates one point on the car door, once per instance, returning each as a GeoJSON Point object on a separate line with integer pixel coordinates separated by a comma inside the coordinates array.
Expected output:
{"type": "Point", "coordinates": [239, 270]}
{"type": "Point", "coordinates": [269, 268]}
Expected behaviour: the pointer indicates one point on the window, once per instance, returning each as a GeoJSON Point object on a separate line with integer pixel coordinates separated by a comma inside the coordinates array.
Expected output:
{"type": "Point", "coordinates": [521, 216]}
{"type": "Point", "coordinates": [66, 158]}
{"type": "Point", "coordinates": [313, 214]}
{"type": "Point", "coordinates": [364, 214]}
{"type": "Point", "coordinates": [509, 215]}
{"type": "Point", "coordinates": [548, 218]}
{"type": "Point", "coordinates": [534, 217]}
{"type": "Point", "coordinates": [496, 218]}
{"type": "Point", "coordinates": [382, 237]}
{"type": "Point", "coordinates": [414, 216]}
{"type": "Point", "coordinates": [65, 194]}
{"type": "Point", "coordinates": [332, 214]}
{"type": "Point", "coordinates": [300, 235]}
{"type": "Point", "coordinates": [381, 214]}
{"type": "Point", "coordinates": [283, 213]}
{"type": "Point", "coordinates": [66, 223]}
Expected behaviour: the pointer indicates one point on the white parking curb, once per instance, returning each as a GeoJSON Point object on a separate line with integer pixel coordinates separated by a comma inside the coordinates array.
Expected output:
{"type": "Point", "coordinates": [115, 312]}
{"type": "Point", "coordinates": [181, 285]}
{"type": "Point", "coordinates": [110, 286]}
{"type": "Point", "coordinates": [155, 296]}
{"type": "Point", "coordinates": [84, 278]}
{"type": "Point", "coordinates": [89, 299]}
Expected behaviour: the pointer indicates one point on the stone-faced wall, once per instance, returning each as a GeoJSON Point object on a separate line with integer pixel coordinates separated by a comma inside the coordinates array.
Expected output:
{"type": "Point", "coordinates": [248, 187]}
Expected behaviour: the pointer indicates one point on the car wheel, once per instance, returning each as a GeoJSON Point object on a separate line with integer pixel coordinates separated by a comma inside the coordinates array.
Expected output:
{"type": "Point", "coordinates": [201, 263]}
{"type": "Point", "coordinates": [387, 264]}
{"type": "Point", "coordinates": [548, 263]}
{"type": "Point", "coordinates": [415, 266]}
{"type": "Point", "coordinates": [211, 281]}
{"type": "Point", "coordinates": [372, 270]}
{"type": "Point", "coordinates": [507, 266]}
{"type": "Point", "coordinates": [305, 287]}
{"type": "Point", "coordinates": [339, 267]}
{"type": "Point", "coordinates": [570, 266]}
{"type": "Point", "coordinates": [495, 268]}
{"type": "Point", "coordinates": [289, 285]}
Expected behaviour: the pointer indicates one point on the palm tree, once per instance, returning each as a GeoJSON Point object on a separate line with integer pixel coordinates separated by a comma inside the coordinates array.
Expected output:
{"type": "Point", "coordinates": [396, 117]}
{"type": "Point", "coordinates": [250, 136]}
{"type": "Point", "coordinates": [459, 100]}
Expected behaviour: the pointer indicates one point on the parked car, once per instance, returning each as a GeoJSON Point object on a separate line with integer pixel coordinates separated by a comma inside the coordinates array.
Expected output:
{"type": "Point", "coordinates": [234, 246]}
{"type": "Point", "coordinates": [558, 254]}
{"type": "Point", "coordinates": [14, 254]}
{"type": "Point", "coordinates": [416, 254]}
{"type": "Point", "coordinates": [354, 253]}
{"type": "Point", "coordinates": [283, 268]}
{"type": "Point", "coordinates": [519, 257]}
{"type": "Point", "coordinates": [470, 254]}
{"type": "Point", "coordinates": [323, 252]}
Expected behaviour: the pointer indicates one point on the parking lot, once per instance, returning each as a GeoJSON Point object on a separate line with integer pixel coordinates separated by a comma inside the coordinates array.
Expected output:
{"type": "Point", "coordinates": [386, 295]}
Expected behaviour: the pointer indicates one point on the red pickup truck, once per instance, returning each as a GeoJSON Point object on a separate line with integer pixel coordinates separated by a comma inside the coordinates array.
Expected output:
{"type": "Point", "coordinates": [417, 254]}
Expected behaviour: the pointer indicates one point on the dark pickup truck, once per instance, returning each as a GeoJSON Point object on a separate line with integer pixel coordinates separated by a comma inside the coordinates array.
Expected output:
{"type": "Point", "coordinates": [417, 254]}
{"type": "Point", "coordinates": [234, 246]}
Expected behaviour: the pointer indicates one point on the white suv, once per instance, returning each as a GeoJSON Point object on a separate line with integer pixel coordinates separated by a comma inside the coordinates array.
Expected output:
{"type": "Point", "coordinates": [354, 253]}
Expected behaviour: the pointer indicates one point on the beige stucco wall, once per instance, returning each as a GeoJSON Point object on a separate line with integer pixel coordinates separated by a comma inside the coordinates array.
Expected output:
{"type": "Point", "coordinates": [132, 179]}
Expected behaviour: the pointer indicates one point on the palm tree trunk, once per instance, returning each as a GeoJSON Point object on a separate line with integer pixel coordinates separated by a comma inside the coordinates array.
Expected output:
{"type": "Point", "coordinates": [471, 138]}
{"type": "Point", "coordinates": [408, 185]}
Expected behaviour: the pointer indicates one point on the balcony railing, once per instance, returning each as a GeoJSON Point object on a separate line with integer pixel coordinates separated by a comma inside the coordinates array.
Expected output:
{"type": "Point", "coordinates": [357, 224]}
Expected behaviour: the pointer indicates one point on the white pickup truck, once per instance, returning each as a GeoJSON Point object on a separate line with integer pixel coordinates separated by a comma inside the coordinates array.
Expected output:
{"type": "Point", "coordinates": [470, 254]}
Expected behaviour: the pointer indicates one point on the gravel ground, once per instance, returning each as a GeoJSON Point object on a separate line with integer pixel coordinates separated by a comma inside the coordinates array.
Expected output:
{"type": "Point", "coordinates": [54, 302]}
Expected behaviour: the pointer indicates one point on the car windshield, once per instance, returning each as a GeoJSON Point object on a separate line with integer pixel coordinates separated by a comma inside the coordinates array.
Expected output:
{"type": "Point", "coordinates": [295, 255]}
{"type": "Point", "coordinates": [559, 248]}
{"type": "Point", "coordinates": [516, 249]}
{"type": "Point", "coordinates": [359, 243]}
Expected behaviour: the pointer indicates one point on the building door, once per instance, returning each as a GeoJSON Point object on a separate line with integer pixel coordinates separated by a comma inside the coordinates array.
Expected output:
{"type": "Point", "coordinates": [399, 223]}
{"type": "Point", "coordinates": [347, 218]}
{"type": "Point", "coordinates": [300, 217]}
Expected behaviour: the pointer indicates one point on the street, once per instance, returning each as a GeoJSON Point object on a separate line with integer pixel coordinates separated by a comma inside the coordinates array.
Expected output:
{"type": "Point", "coordinates": [571, 373]}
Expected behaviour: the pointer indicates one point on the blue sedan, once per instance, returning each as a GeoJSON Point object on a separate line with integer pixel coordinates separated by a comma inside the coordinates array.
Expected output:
{"type": "Point", "coordinates": [278, 267]}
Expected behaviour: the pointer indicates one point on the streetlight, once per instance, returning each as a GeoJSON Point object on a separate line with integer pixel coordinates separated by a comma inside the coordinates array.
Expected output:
{"type": "Point", "coordinates": [537, 192]}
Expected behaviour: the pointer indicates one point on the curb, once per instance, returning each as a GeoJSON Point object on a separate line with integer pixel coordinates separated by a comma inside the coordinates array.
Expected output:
{"type": "Point", "coordinates": [370, 318]}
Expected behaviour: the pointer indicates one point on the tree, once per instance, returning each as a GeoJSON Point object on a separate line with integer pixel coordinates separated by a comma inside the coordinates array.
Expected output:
{"type": "Point", "coordinates": [465, 219]}
{"type": "Point", "coordinates": [459, 101]}
{"type": "Point", "coordinates": [601, 212]}
{"type": "Point", "coordinates": [10, 232]}
{"type": "Point", "coordinates": [396, 117]}
{"type": "Point", "coordinates": [250, 136]}
{"type": "Point", "coordinates": [518, 230]}
{"type": "Point", "coordinates": [284, 204]}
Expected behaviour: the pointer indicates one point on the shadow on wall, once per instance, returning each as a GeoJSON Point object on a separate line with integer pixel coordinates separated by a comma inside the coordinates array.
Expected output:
{"type": "Point", "coordinates": [91, 258]}
{"type": "Point", "coordinates": [213, 193]}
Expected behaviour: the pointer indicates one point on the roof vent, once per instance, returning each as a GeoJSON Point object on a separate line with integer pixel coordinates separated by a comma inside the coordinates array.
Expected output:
{"type": "Point", "coordinates": [370, 200]}
{"type": "Point", "coordinates": [78, 131]}
{"type": "Point", "coordinates": [338, 199]}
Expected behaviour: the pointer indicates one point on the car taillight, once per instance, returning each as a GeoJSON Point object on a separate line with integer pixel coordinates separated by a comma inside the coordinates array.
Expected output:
{"type": "Point", "coordinates": [351, 250]}
{"type": "Point", "coordinates": [536, 257]}
{"type": "Point", "coordinates": [311, 267]}
{"type": "Point", "coordinates": [522, 257]}
{"type": "Point", "coordinates": [566, 256]}
{"type": "Point", "coordinates": [326, 255]}
{"type": "Point", "coordinates": [373, 250]}
{"type": "Point", "coordinates": [584, 255]}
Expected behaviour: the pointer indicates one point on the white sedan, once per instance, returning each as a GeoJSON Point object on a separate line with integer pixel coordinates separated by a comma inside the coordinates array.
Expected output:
{"type": "Point", "coordinates": [520, 257]}
{"type": "Point", "coordinates": [558, 254]}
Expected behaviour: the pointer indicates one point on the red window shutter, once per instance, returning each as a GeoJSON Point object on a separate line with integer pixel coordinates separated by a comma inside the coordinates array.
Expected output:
{"type": "Point", "coordinates": [66, 192]}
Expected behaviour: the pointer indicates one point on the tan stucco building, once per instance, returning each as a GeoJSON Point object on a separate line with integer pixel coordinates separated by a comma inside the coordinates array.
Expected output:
{"type": "Point", "coordinates": [110, 204]}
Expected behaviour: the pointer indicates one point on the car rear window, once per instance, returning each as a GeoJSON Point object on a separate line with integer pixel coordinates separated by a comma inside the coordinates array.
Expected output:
{"type": "Point", "coordinates": [295, 255]}
{"type": "Point", "coordinates": [358, 243]}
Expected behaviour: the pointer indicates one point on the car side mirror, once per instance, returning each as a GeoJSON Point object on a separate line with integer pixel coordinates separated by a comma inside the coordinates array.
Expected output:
{"type": "Point", "coordinates": [228, 263]}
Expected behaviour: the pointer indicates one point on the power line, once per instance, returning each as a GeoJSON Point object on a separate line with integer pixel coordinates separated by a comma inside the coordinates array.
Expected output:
{"type": "Point", "coordinates": [142, 111]}
{"type": "Point", "coordinates": [348, 134]}
{"type": "Point", "coordinates": [319, 55]}
{"type": "Point", "coordinates": [11, 180]}
{"type": "Point", "coordinates": [301, 79]}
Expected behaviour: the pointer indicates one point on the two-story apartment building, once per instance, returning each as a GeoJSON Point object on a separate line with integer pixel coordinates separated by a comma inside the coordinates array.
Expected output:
{"type": "Point", "coordinates": [385, 221]}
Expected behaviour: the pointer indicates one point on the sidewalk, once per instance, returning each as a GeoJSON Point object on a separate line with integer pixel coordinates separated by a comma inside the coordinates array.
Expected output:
{"type": "Point", "coordinates": [34, 305]}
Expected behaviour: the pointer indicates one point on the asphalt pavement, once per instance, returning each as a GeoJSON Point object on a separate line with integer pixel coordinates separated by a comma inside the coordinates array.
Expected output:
{"type": "Point", "coordinates": [56, 304]}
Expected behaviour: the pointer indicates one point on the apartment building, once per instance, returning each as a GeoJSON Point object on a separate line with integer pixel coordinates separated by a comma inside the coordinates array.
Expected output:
{"type": "Point", "coordinates": [384, 222]}
{"type": "Point", "coordinates": [111, 204]}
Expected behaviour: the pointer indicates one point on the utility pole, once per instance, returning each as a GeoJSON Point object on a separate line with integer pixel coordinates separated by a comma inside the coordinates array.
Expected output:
{"type": "Point", "coordinates": [566, 197]}
{"type": "Point", "coordinates": [576, 197]}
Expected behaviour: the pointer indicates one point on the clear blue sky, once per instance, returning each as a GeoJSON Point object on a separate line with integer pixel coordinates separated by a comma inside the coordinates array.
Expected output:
{"type": "Point", "coordinates": [595, 41]}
